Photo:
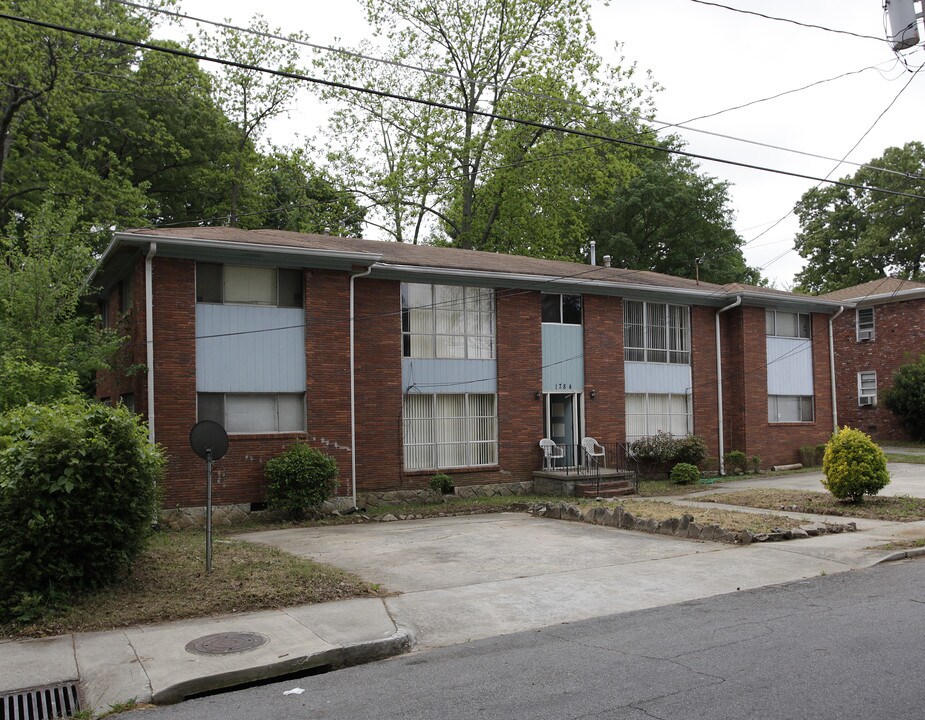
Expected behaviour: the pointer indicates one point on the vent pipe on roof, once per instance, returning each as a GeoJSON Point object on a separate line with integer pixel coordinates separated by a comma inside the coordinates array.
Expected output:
{"type": "Point", "coordinates": [593, 253]}
{"type": "Point", "coordinates": [607, 261]}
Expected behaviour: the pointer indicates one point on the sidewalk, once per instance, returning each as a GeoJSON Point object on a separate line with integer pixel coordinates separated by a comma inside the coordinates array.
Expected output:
{"type": "Point", "coordinates": [153, 664]}
{"type": "Point", "coordinates": [471, 600]}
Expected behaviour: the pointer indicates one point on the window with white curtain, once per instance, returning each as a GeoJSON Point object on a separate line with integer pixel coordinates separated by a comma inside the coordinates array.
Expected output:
{"type": "Point", "coordinates": [790, 408]}
{"type": "Point", "coordinates": [787, 324]}
{"type": "Point", "coordinates": [245, 285]}
{"type": "Point", "coordinates": [450, 431]}
{"type": "Point", "coordinates": [254, 412]}
{"type": "Point", "coordinates": [447, 321]}
{"type": "Point", "coordinates": [651, 413]}
{"type": "Point", "coordinates": [656, 332]}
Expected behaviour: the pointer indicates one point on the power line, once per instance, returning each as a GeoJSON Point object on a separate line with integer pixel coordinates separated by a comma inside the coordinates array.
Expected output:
{"type": "Point", "coordinates": [798, 23]}
{"type": "Point", "coordinates": [527, 93]}
{"type": "Point", "coordinates": [440, 105]}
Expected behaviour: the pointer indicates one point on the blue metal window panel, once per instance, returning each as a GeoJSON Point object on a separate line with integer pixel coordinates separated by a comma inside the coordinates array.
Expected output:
{"type": "Point", "coordinates": [249, 348]}
{"type": "Point", "coordinates": [658, 378]}
{"type": "Point", "coordinates": [442, 377]}
{"type": "Point", "coordinates": [563, 358]}
{"type": "Point", "coordinates": [790, 366]}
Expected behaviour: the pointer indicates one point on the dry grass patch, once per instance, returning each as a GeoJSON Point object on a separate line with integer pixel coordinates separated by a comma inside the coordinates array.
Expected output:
{"type": "Point", "coordinates": [729, 519]}
{"type": "Point", "coordinates": [169, 582]}
{"type": "Point", "coordinates": [901, 508]}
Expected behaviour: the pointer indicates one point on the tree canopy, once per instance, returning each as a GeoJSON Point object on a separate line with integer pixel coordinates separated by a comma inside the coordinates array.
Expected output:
{"type": "Point", "coordinates": [850, 236]}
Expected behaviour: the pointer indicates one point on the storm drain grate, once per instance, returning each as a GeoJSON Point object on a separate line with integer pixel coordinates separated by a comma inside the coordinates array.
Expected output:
{"type": "Point", "coordinates": [55, 701]}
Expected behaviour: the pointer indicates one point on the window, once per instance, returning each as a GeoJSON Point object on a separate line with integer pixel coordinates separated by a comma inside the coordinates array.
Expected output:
{"type": "Point", "coordinates": [867, 388]}
{"type": "Point", "coordinates": [653, 332]}
{"type": "Point", "coordinates": [447, 321]}
{"type": "Point", "coordinates": [790, 408]}
{"type": "Point", "coordinates": [448, 431]}
{"type": "Point", "coordinates": [787, 324]}
{"type": "Point", "coordinates": [236, 284]}
{"type": "Point", "coordinates": [561, 309]}
{"type": "Point", "coordinates": [254, 412]}
{"type": "Point", "coordinates": [128, 399]}
{"type": "Point", "coordinates": [650, 413]}
{"type": "Point", "coordinates": [865, 324]}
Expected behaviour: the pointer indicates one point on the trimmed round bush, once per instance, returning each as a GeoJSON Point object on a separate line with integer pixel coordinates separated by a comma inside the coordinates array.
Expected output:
{"type": "Point", "coordinates": [685, 474]}
{"type": "Point", "coordinates": [853, 466]}
{"type": "Point", "coordinates": [78, 497]}
{"type": "Point", "coordinates": [442, 483]}
{"type": "Point", "coordinates": [691, 449]}
{"type": "Point", "coordinates": [300, 480]}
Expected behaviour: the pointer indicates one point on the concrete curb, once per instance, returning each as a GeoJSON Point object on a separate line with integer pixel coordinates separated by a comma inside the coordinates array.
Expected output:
{"type": "Point", "coordinates": [399, 642]}
{"type": "Point", "coordinates": [902, 555]}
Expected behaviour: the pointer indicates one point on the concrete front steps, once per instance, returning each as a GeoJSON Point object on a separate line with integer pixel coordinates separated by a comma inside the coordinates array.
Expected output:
{"type": "Point", "coordinates": [607, 488]}
{"type": "Point", "coordinates": [613, 483]}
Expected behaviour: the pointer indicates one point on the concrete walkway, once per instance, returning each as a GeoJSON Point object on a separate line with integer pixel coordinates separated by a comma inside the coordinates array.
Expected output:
{"type": "Point", "coordinates": [460, 579]}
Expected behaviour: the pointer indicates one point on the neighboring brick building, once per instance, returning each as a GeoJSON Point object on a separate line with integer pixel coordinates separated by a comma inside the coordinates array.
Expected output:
{"type": "Point", "coordinates": [882, 328]}
{"type": "Point", "coordinates": [462, 361]}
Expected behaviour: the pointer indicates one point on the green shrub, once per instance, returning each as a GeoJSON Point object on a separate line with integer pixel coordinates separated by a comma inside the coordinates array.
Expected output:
{"type": "Point", "coordinates": [663, 447]}
{"type": "Point", "coordinates": [77, 500]}
{"type": "Point", "coordinates": [23, 381]}
{"type": "Point", "coordinates": [300, 480]}
{"type": "Point", "coordinates": [691, 450]}
{"type": "Point", "coordinates": [854, 466]}
{"type": "Point", "coordinates": [906, 399]}
{"type": "Point", "coordinates": [736, 461]}
{"type": "Point", "coordinates": [811, 455]}
{"type": "Point", "coordinates": [685, 474]}
{"type": "Point", "coordinates": [442, 483]}
{"type": "Point", "coordinates": [754, 464]}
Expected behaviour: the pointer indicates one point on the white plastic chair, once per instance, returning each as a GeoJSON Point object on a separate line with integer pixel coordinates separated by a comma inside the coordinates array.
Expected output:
{"type": "Point", "coordinates": [551, 452]}
{"type": "Point", "coordinates": [593, 449]}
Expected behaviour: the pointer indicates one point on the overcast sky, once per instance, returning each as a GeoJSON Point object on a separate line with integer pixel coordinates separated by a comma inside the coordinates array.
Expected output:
{"type": "Point", "coordinates": [709, 59]}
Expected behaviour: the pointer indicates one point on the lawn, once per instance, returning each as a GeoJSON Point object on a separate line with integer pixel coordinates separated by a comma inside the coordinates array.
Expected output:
{"type": "Point", "coordinates": [900, 508]}
{"type": "Point", "coordinates": [169, 582]}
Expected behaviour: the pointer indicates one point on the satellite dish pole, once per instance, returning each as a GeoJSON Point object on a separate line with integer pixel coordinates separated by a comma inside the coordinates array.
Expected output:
{"type": "Point", "coordinates": [210, 442]}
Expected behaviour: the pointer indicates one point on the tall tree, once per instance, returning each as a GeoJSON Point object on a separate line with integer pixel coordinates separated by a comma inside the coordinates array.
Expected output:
{"type": "Point", "coordinates": [250, 98]}
{"type": "Point", "coordinates": [849, 236]}
{"type": "Point", "coordinates": [426, 167]}
{"type": "Point", "coordinates": [671, 218]}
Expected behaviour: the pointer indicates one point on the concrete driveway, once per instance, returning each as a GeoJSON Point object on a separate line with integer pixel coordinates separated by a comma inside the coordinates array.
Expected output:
{"type": "Point", "coordinates": [905, 479]}
{"type": "Point", "coordinates": [473, 577]}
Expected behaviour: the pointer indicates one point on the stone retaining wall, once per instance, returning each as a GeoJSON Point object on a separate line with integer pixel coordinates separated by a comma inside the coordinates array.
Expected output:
{"type": "Point", "coordinates": [683, 526]}
{"type": "Point", "coordinates": [411, 497]}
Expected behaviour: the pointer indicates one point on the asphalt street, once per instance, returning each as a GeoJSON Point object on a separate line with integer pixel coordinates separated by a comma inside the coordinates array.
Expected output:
{"type": "Point", "coordinates": [840, 646]}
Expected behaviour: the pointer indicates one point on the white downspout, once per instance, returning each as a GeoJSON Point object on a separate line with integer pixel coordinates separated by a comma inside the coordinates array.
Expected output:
{"type": "Point", "coordinates": [719, 383]}
{"type": "Point", "coordinates": [149, 334]}
{"type": "Point", "coordinates": [832, 368]}
{"type": "Point", "coordinates": [353, 401]}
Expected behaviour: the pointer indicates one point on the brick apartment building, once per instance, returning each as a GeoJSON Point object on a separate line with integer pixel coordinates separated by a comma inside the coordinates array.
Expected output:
{"type": "Point", "coordinates": [402, 360]}
{"type": "Point", "coordinates": [882, 328]}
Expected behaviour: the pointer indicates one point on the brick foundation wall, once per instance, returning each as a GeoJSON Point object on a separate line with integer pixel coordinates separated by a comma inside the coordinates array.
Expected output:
{"type": "Point", "coordinates": [520, 376]}
{"type": "Point", "coordinates": [899, 339]}
{"type": "Point", "coordinates": [605, 415]}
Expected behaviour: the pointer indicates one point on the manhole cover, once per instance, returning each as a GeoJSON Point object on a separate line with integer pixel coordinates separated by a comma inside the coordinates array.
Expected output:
{"type": "Point", "coordinates": [226, 643]}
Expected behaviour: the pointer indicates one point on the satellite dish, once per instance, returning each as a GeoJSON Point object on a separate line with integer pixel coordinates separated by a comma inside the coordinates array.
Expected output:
{"type": "Point", "coordinates": [208, 436]}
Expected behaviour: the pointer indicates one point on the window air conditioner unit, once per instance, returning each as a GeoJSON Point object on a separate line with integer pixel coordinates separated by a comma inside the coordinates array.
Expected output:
{"type": "Point", "coordinates": [865, 335]}
{"type": "Point", "coordinates": [866, 400]}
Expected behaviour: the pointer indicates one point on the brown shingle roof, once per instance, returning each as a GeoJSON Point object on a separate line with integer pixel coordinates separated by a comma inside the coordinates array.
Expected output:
{"type": "Point", "coordinates": [882, 286]}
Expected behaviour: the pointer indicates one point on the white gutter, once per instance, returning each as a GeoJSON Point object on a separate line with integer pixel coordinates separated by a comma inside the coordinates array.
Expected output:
{"type": "Point", "coordinates": [832, 368]}
{"type": "Point", "coordinates": [353, 403]}
{"type": "Point", "coordinates": [149, 334]}
{"type": "Point", "coordinates": [719, 383]}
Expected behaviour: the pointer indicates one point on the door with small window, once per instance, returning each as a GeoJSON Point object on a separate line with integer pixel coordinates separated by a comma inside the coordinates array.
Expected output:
{"type": "Point", "coordinates": [563, 425]}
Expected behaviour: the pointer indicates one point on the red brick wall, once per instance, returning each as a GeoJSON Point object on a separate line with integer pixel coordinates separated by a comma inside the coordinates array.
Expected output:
{"type": "Point", "coordinates": [899, 339]}
{"type": "Point", "coordinates": [703, 374]}
{"type": "Point", "coordinates": [117, 382]}
{"type": "Point", "coordinates": [605, 415]}
{"type": "Point", "coordinates": [520, 376]}
{"type": "Point", "coordinates": [379, 392]}
{"type": "Point", "coordinates": [745, 390]}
